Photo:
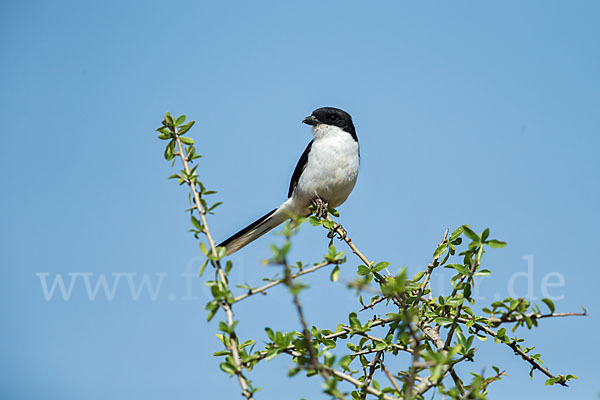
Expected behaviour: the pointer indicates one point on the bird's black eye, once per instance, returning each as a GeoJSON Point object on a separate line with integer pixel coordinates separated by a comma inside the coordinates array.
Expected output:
{"type": "Point", "coordinates": [333, 117]}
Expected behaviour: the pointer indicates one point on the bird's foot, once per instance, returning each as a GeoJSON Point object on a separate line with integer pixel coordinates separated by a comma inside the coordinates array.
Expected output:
{"type": "Point", "coordinates": [321, 207]}
{"type": "Point", "coordinates": [340, 230]}
{"type": "Point", "coordinates": [337, 228]}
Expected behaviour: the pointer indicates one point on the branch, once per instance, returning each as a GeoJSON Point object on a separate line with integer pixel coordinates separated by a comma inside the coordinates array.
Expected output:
{"type": "Point", "coordinates": [233, 341]}
{"type": "Point", "coordinates": [269, 285]}
{"type": "Point", "coordinates": [519, 351]}
{"type": "Point", "coordinates": [457, 381]}
{"type": "Point", "coordinates": [428, 383]}
{"type": "Point", "coordinates": [432, 265]}
{"type": "Point", "coordinates": [307, 335]}
{"type": "Point", "coordinates": [262, 354]}
{"type": "Point", "coordinates": [413, 368]}
{"type": "Point", "coordinates": [432, 335]}
{"type": "Point", "coordinates": [374, 303]}
{"type": "Point", "coordinates": [346, 378]}
{"type": "Point", "coordinates": [517, 318]}
{"type": "Point", "coordinates": [359, 384]}
{"type": "Point", "coordinates": [373, 365]}
{"type": "Point", "coordinates": [344, 236]}
{"type": "Point", "coordinates": [375, 339]}
{"type": "Point", "coordinates": [391, 378]}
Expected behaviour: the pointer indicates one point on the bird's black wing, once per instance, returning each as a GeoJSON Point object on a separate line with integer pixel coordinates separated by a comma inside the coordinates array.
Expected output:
{"type": "Point", "coordinates": [299, 169]}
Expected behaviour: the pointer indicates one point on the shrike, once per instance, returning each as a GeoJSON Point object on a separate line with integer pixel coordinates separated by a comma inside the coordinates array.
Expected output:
{"type": "Point", "coordinates": [326, 173]}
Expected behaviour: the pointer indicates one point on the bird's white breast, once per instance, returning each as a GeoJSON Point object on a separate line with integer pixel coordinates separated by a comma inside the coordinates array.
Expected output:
{"type": "Point", "coordinates": [332, 167]}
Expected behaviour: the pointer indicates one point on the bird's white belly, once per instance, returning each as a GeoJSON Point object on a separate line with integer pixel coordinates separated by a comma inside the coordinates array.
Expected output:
{"type": "Point", "coordinates": [331, 171]}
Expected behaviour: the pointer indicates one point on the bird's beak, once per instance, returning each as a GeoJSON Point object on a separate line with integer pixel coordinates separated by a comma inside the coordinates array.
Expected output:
{"type": "Point", "coordinates": [311, 120]}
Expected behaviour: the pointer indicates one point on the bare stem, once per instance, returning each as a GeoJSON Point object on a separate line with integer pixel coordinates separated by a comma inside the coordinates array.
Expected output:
{"type": "Point", "coordinates": [269, 285]}
{"type": "Point", "coordinates": [343, 234]}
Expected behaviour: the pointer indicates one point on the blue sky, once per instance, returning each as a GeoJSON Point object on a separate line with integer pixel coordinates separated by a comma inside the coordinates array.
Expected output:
{"type": "Point", "coordinates": [480, 113]}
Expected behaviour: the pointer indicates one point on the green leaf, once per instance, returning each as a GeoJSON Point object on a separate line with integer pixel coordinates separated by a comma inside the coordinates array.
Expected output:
{"type": "Point", "coordinates": [170, 151]}
{"type": "Point", "coordinates": [440, 250]}
{"type": "Point", "coordinates": [217, 204]}
{"type": "Point", "coordinates": [228, 368]}
{"type": "Point", "coordinates": [180, 120]}
{"type": "Point", "coordinates": [485, 234]}
{"type": "Point", "coordinates": [482, 272]}
{"type": "Point", "coordinates": [443, 321]}
{"type": "Point", "coordinates": [456, 234]}
{"type": "Point", "coordinates": [471, 234]}
{"type": "Point", "coordinates": [497, 244]}
{"type": "Point", "coordinates": [419, 276]}
{"type": "Point", "coordinates": [381, 346]}
{"type": "Point", "coordinates": [203, 248]}
{"type": "Point", "coordinates": [362, 270]}
{"type": "Point", "coordinates": [197, 224]}
{"type": "Point", "coordinates": [328, 224]}
{"type": "Point", "coordinates": [212, 308]}
{"type": "Point", "coordinates": [380, 266]}
{"type": "Point", "coordinates": [184, 128]}
{"type": "Point", "coordinates": [165, 136]}
{"type": "Point", "coordinates": [314, 220]}
{"type": "Point", "coordinates": [204, 264]}
{"type": "Point", "coordinates": [459, 267]}
{"type": "Point", "coordinates": [455, 302]}
{"type": "Point", "coordinates": [187, 140]}
{"type": "Point", "coordinates": [549, 303]}
{"type": "Point", "coordinates": [335, 274]}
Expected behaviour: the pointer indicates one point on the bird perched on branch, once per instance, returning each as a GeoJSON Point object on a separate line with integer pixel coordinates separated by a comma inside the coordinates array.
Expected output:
{"type": "Point", "coordinates": [324, 176]}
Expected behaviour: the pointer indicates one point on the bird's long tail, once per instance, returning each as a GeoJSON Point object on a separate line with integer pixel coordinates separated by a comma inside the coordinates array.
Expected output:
{"type": "Point", "coordinates": [256, 229]}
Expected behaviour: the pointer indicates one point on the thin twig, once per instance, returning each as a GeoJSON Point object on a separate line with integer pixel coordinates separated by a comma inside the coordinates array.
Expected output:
{"type": "Point", "coordinates": [376, 339]}
{"type": "Point", "coordinates": [432, 265]}
{"type": "Point", "coordinates": [457, 381]}
{"type": "Point", "coordinates": [391, 378]}
{"type": "Point", "coordinates": [373, 303]}
{"type": "Point", "coordinates": [373, 365]}
{"type": "Point", "coordinates": [346, 330]}
{"type": "Point", "coordinates": [459, 308]}
{"type": "Point", "coordinates": [269, 285]}
{"type": "Point", "coordinates": [535, 364]}
{"type": "Point", "coordinates": [518, 318]}
{"type": "Point", "coordinates": [344, 235]}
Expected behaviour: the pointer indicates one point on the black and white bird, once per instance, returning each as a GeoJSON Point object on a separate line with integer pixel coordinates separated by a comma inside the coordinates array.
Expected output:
{"type": "Point", "coordinates": [326, 173]}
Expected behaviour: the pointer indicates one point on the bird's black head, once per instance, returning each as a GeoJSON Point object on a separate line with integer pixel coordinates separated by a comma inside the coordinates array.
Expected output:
{"type": "Point", "coordinates": [332, 116]}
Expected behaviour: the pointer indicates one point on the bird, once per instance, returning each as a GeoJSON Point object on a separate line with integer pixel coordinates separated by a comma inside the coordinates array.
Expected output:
{"type": "Point", "coordinates": [324, 176]}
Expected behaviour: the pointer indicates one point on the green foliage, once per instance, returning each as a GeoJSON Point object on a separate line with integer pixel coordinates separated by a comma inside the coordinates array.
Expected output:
{"type": "Point", "coordinates": [435, 331]}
